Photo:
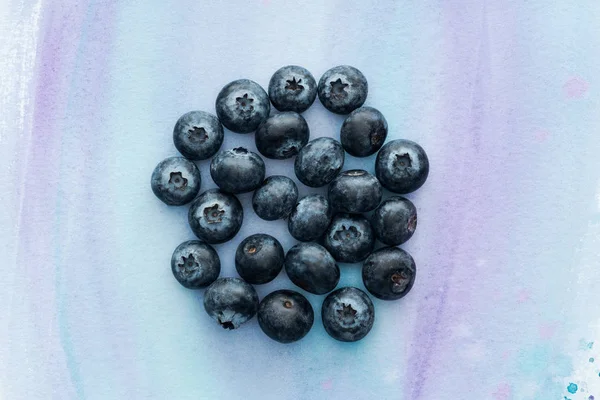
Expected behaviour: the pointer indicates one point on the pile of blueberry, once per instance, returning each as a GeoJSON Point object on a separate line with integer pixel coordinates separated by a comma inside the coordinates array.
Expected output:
{"type": "Point", "coordinates": [329, 230]}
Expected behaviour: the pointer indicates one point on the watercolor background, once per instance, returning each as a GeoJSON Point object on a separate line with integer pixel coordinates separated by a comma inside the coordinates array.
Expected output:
{"type": "Point", "coordinates": [503, 95]}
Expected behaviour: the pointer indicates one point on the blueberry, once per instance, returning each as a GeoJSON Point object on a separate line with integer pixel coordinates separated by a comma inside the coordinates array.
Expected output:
{"type": "Point", "coordinates": [319, 162]}
{"type": "Point", "coordinates": [394, 221]}
{"type": "Point", "coordinates": [310, 267]}
{"type": "Point", "coordinates": [389, 273]}
{"type": "Point", "coordinates": [349, 238]}
{"type": "Point", "coordinates": [285, 316]}
{"type": "Point", "coordinates": [292, 88]}
{"type": "Point", "coordinates": [402, 166]}
{"type": "Point", "coordinates": [198, 135]}
{"type": "Point", "coordinates": [348, 314]}
{"type": "Point", "coordinates": [276, 198]}
{"type": "Point", "coordinates": [237, 170]}
{"type": "Point", "coordinates": [310, 218]}
{"type": "Point", "coordinates": [215, 216]}
{"type": "Point", "coordinates": [355, 191]}
{"type": "Point", "coordinates": [259, 258]}
{"type": "Point", "coordinates": [343, 89]}
{"type": "Point", "coordinates": [231, 302]}
{"type": "Point", "coordinates": [364, 132]}
{"type": "Point", "coordinates": [175, 181]}
{"type": "Point", "coordinates": [282, 135]}
{"type": "Point", "coordinates": [242, 106]}
{"type": "Point", "coordinates": [195, 264]}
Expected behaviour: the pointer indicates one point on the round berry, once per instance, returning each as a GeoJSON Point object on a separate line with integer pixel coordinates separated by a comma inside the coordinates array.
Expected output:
{"type": "Point", "coordinates": [175, 181]}
{"type": "Point", "coordinates": [364, 132]}
{"type": "Point", "coordinates": [310, 267]}
{"type": "Point", "coordinates": [348, 314]}
{"type": "Point", "coordinates": [402, 166]}
{"type": "Point", "coordinates": [319, 162]}
{"type": "Point", "coordinates": [215, 216]}
{"type": "Point", "coordinates": [310, 218]}
{"type": "Point", "coordinates": [285, 316]}
{"type": "Point", "coordinates": [389, 273]}
{"type": "Point", "coordinates": [343, 89]}
{"type": "Point", "coordinates": [394, 221]}
{"type": "Point", "coordinates": [198, 135]}
{"type": "Point", "coordinates": [195, 264]}
{"type": "Point", "coordinates": [282, 135]}
{"type": "Point", "coordinates": [292, 88]}
{"type": "Point", "coordinates": [355, 191]}
{"type": "Point", "coordinates": [231, 302]}
{"type": "Point", "coordinates": [275, 198]}
{"type": "Point", "coordinates": [237, 170]}
{"type": "Point", "coordinates": [259, 258]}
{"type": "Point", "coordinates": [242, 105]}
{"type": "Point", "coordinates": [349, 238]}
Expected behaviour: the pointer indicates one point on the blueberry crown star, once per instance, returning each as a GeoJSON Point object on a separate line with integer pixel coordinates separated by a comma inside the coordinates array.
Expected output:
{"type": "Point", "coordinates": [346, 233]}
{"type": "Point", "coordinates": [346, 313]}
{"type": "Point", "coordinates": [245, 103]}
{"type": "Point", "coordinates": [197, 134]}
{"type": "Point", "coordinates": [213, 214]}
{"type": "Point", "coordinates": [188, 264]}
{"type": "Point", "coordinates": [338, 88]}
{"type": "Point", "coordinates": [294, 85]}
{"type": "Point", "coordinates": [177, 180]}
{"type": "Point", "coordinates": [403, 161]}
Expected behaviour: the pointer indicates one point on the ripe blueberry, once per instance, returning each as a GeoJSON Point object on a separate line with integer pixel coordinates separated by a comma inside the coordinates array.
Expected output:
{"type": "Point", "coordinates": [175, 181]}
{"type": "Point", "coordinates": [394, 221]}
{"type": "Point", "coordinates": [355, 191]}
{"type": "Point", "coordinates": [215, 216]}
{"type": "Point", "coordinates": [292, 88]}
{"type": "Point", "coordinates": [319, 162]}
{"type": "Point", "coordinates": [389, 273]}
{"type": "Point", "coordinates": [259, 258]}
{"type": "Point", "coordinates": [195, 264]}
{"type": "Point", "coordinates": [282, 135]}
{"type": "Point", "coordinates": [343, 89]}
{"type": "Point", "coordinates": [285, 316]}
{"type": "Point", "coordinates": [275, 198]}
{"type": "Point", "coordinates": [348, 314]}
{"type": "Point", "coordinates": [310, 218]}
{"type": "Point", "coordinates": [310, 267]}
{"type": "Point", "coordinates": [198, 135]}
{"type": "Point", "coordinates": [237, 170]}
{"type": "Point", "coordinates": [231, 302]}
{"type": "Point", "coordinates": [349, 238]}
{"type": "Point", "coordinates": [242, 106]}
{"type": "Point", "coordinates": [402, 166]}
{"type": "Point", "coordinates": [363, 132]}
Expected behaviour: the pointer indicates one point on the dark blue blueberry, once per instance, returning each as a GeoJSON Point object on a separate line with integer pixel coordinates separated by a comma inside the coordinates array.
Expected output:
{"type": "Point", "coordinates": [310, 267]}
{"type": "Point", "coordinates": [275, 198]}
{"type": "Point", "coordinates": [231, 302]}
{"type": "Point", "coordinates": [198, 135]}
{"type": "Point", "coordinates": [259, 258]}
{"type": "Point", "coordinates": [195, 264]}
{"type": "Point", "coordinates": [216, 216]}
{"type": "Point", "coordinates": [175, 181]}
{"type": "Point", "coordinates": [282, 135]}
{"type": "Point", "coordinates": [389, 273]}
{"type": "Point", "coordinates": [343, 89]}
{"type": "Point", "coordinates": [292, 88]}
{"type": "Point", "coordinates": [237, 170]}
{"type": "Point", "coordinates": [363, 132]}
{"type": "Point", "coordinates": [285, 316]}
{"type": "Point", "coordinates": [402, 166]}
{"type": "Point", "coordinates": [355, 191]}
{"type": "Point", "coordinates": [242, 106]}
{"type": "Point", "coordinates": [348, 314]}
{"type": "Point", "coordinates": [310, 218]}
{"type": "Point", "coordinates": [349, 238]}
{"type": "Point", "coordinates": [319, 162]}
{"type": "Point", "coordinates": [394, 221]}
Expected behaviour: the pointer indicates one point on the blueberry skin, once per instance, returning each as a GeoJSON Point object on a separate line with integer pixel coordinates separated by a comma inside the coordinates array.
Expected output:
{"type": "Point", "coordinates": [319, 162]}
{"type": "Point", "coordinates": [310, 218]}
{"type": "Point", "coordinates": [237, 170]}
{"type": "Point", "coordinates": [349, 238]}
{"type": "Point", "coordinates": [355, 191]}
{"type": "Point", "coordinates": [195, 264]}
{"type": "Point", "coordinates": [282, 135]}
{"type": "Point", "coordinates": [215, 216]}
{"type": "Point", "coordinates": [198, 135]}
{"type": "Point", "coordinates": [259, 258]}
{"type": "Point", "coordinates": [343, 89]}
{"type": "Point", "coordinates": [402, 166]}
{"type": "Point", "coordinates": [231, 302]}
{"type": "Point", "coordinates": [348, 314]}
{"type": "Point", "coordinates": [285, 316]}
{"type": "Point", "coordinates": [389, 273]}
{"type": "Point", "coordinates": [242, 105]}
{"type": "Point", "coordinates": [310, 267]}
{"type": "Point", "coordinates": [276, 198]}
{"type": "Point", "coordinates": [364, 132]}
{"type": "Point", "coordinates": [292, 88]}
{"type": "Point", "coordinates": [175, 181]}
{"type": "Point", "coordinates": [394, 221]}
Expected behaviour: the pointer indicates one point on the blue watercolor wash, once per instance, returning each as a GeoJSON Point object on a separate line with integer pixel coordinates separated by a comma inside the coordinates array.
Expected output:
{"type": "Point", "coordinates": [572, 388]}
